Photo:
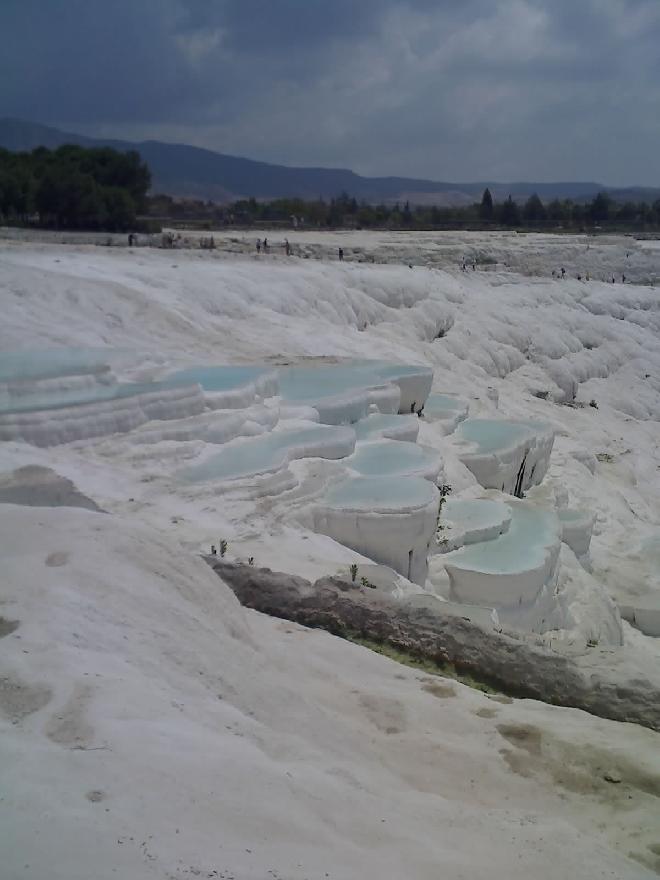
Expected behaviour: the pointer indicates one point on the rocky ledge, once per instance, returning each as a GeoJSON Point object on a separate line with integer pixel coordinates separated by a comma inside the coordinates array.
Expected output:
{"type": "Point", "coordinates": [605, 682]}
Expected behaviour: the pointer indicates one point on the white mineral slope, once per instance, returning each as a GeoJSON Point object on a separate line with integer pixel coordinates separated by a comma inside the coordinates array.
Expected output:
{"type": "Point", "coordinates": [153, 728]}
{"type": "Point", "coordinates": [519, 335]}
{"type": "Point", "coordinates": [314, 741]}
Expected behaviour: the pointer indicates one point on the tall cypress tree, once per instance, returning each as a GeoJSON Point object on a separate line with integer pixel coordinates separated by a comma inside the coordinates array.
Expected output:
{"type": "Point", "coordinates": [486, 207]}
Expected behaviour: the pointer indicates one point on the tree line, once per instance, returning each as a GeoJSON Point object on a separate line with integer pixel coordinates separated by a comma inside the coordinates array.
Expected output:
{"type": "Point", "coordinates": [97, 188]}
{"type": "Point", "coordinates": [73, 187]}
{"type": "Point", "coordinates": [346, 211]}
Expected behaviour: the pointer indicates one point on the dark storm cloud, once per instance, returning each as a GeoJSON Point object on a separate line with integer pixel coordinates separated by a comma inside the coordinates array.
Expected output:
{"type": "Point", "coordinates": [472, 89]}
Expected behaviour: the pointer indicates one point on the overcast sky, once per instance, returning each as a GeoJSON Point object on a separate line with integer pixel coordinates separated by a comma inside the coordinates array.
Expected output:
{"type": "Point", "coordinates": [454, 90]}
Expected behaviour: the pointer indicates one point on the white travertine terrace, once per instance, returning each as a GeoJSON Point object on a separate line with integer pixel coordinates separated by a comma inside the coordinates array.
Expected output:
{"type": "Point", "coordinates": [147, 654]}
{"type": "Point", "coordinates": [346, 393]}
{"type": "Point", "coordinates": [511, 456]}
{"type": "Point", "coordinates": [446, 410]}
{"type": "Point", "coordinates": [644, 614]}
{"type": "Point", "coordinates": [516, 572]}
{"type": "Point", "coordinates": [57, 397]}
{"type": "Point", "coordinates": [272, 452]}
{"type": "Point", "coordinates": [389, 520]}
{"type": "Point", "coordinates": [381, 498]}
{"type": "Point", "coordinates": [472, 521]}
{"type": "Point", "coordinates": [385, 458]}
{"type": "Point", "coordinates": [51, 427]}
{"type": "Point", "coordinates": [576, 530]}
{"type": "Point", "coordinates": [390, 427]}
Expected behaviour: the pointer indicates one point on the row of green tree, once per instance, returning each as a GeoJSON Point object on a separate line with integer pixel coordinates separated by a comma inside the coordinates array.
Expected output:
{"type": "Point", "coordinates": [345, 211]}
{"type": "Point", "coordinates": [73, 187]}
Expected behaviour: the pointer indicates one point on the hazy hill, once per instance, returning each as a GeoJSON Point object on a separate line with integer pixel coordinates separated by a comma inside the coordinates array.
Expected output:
{"type": "Point", "coordinates": [182, 170]}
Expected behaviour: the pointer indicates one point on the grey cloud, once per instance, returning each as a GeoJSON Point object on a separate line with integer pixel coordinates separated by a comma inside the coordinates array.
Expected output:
{"type": "Point", "coordinates": [482, 88]}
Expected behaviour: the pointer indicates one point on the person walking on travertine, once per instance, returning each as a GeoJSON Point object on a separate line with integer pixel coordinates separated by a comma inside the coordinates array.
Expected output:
{"type": "Point", "coordinates": [258, 245]}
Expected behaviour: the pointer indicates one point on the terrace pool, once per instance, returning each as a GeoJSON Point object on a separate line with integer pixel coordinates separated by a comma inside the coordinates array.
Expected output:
{"type": "Point", "coordinates": [271, 452]}
{"type": "Point", "coordinates": [384, 458]}
{"type": "Point", "coordinates": [398, 494]}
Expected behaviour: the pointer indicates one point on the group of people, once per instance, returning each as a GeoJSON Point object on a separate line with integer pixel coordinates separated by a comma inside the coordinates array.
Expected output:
{"type": "Point", "coordinates": [288, 250]}
{"type": "Point", "coordinates": [561, 274]}
{"type": "Point", "coordinates": [264, 244]}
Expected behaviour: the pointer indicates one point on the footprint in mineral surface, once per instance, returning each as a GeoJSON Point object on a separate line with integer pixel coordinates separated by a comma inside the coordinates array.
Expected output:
{"type": "Point", "coordinates": [18, 699]}
{"type": "Point", "coordinates": [69, 726]}
{"type": "Point", "coordinates": [486, 712]}
{"type": "Point", "coordinates": [56, 560]}
{"type": "Point", "coordinates": [7, 627]}
{"type": "Point", "coordinates": [439, 689]}
{"type": "Point", "coordinates": [386, 713]}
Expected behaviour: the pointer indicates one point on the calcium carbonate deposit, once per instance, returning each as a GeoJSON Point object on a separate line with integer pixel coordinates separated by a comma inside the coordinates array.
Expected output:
{"type": "Point", "coordinates": [484, 443]}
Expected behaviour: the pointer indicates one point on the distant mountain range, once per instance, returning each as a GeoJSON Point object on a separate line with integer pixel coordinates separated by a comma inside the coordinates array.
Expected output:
{"type": "Point", "coordinates": [182, 170]}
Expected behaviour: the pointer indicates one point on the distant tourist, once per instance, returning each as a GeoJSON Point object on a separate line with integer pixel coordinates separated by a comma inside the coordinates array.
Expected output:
{"type": "Point", "coordinates": [623, 279]}
{"type": "Point", "coordinates": [287, 247]}
{"type": "Point", "coordinates": [130, 239]}
{"type": "Point", "coordinates": [341, 254]}
{"type": "Point", "coordinates": [563, 273]}
{"type": "Point", "coordinates": [265, 245]}
{"type": "Point", "coordinates": [258, 245]}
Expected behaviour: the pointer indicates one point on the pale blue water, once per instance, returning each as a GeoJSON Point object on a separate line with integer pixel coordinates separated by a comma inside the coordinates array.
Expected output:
{"type": "Point", "coordinates": [443, 405]}
{"type": "Point", "coordinates": [218, 378]}
{"type": "Point", "coordinates": [301, 384]}
{"type": "Point", "coordinates": [389, 372]}
{"type": "Point", "coordinates": [312, 383]}
{"type": "Point", "coordinates": [395, 493]}
{"type": "Point", "coordinates": [374, 425]}
{"type": "Point", "coordinates": [50, 400]}
{"type": "Point", "coordinates": [309, 383]}
{"type": "Point", "coordinates": [520, 547]}
{"type": "Point", "coordinates": [261, 455]}
{"type": "Point", "coordinates": [475, 514]}
{"type": "Point", "coordinates": [391, 457]}
{"type": "Point", "coordinates": [64, 363]}
{"type": "Point", "coordinates": [256, 456]}
{"type": "Point", "coordinates": [55, 400]}
{"type": "Point", "coordinates": [492, 435]}
{"type": "Point", "coordinates": [50, 363]}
